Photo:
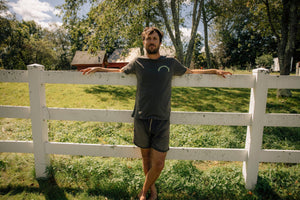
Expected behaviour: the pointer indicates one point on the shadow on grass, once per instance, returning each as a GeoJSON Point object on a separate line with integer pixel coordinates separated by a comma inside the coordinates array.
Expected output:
{"type": "Point", "coordinates": [211, 99]}
{"type": "Point", "coordinates": [51, 190]}
{"type": "Point", "coordinates": [263, 189]}
{"type": "Point", "coordinates": [122, 93]}
{"type": "Point", "coordinates": [47, 187]}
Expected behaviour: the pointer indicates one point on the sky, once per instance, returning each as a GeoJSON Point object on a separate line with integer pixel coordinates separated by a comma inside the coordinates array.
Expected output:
{"type": "Point", "coordinates": [42, 12]}
{"type": "Point", "coordinates": [45, 14]}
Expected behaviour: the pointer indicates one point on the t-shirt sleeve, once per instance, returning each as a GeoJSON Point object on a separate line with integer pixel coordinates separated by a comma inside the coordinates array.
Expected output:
{"type": "Point", "coordinates": [130, 67]}
{"type": "Point", "coordinates": [178, 68]}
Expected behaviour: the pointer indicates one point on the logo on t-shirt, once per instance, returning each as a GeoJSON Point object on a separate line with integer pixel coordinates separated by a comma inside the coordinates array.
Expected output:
{"type": "Point", "coordinates": [163, 67]}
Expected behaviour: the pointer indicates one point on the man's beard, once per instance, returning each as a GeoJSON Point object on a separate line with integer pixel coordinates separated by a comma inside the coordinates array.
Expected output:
{"type": "Point", "coordinates": [153, 51]}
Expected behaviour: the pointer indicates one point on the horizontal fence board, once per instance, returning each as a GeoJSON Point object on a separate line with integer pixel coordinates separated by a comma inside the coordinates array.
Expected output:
{"type": "Point", "coordinates": [93, 150]}
{"type": "Point", "coordinates": [100, 115]}
{"type": "Point", "coordinates": [220, 154]}
{"type": "Point", "coordinates": [283, 81]}
{"type": "Point", "coordinates": [212, 80]}
{"type": "Point", "coordinates": [285, 156]}
{"type": "Point", "coordinates": [127, 151]}
{"type": "Point", "coordinates": [188, 80]}
{"type": "Point", "coordinates": [282, 120]}
{"type": "Point", "coordinates": [18, 76]}
{"type": "Point", "coordinates": [15, 112]}
{"type": "Point", "coordinates": [195, 118]}
{"type": "Point", "coordinates": [211, 118]}
{"type": "Point", "coordinates": [16, 146]}
{"type": "Point", "coordinates": [99, 78]}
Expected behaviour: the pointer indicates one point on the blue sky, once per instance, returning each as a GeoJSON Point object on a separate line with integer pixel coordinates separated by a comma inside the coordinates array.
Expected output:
{"type": "Point", "coordinates": [44, 13]}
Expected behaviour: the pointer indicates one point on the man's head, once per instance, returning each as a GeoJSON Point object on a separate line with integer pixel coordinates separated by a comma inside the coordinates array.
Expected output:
{"type": "Point", "coordinates": [150, 30]}
{"type": "Point", "coordinates": [152, 38]}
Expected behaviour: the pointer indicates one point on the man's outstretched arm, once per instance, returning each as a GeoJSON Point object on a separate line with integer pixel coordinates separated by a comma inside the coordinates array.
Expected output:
{"type": "Point", "coordinates": [99, 69]}
{"type": "Point", "coordinates": [208, 71]}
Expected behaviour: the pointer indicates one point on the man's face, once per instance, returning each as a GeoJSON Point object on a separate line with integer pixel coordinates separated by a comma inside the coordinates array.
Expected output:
{"type": "Point", "coordinates": [152, 43]}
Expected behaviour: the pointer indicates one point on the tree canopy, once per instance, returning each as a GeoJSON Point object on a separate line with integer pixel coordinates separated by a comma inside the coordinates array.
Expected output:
{"type": "Point", "coordinates": [240, 31]}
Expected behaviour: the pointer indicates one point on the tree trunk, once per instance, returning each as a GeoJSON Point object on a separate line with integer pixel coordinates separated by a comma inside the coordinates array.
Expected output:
{"type": "Point", "coordinates": [195, 23]}
{"type": "Point", "coordinates": [176, 39]}
{"type": "Point", "coordinates": [287, 45]}
{"type": "Point", "coordinates": [207, 53]}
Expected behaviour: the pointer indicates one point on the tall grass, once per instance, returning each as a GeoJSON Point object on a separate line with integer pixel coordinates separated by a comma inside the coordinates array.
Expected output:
{"type": "Point", "coordinates": [78, 177]}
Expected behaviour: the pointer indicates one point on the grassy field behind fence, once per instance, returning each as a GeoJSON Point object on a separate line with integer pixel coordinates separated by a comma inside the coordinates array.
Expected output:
{"type": "Point", "coordinates": [83, 177]}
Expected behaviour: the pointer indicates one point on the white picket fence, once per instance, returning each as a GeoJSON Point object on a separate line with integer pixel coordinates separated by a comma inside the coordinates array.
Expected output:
{"type": "Point", "coordinates": [256, 119]}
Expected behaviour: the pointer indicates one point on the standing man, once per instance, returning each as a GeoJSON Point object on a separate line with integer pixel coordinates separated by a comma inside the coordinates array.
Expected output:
{"type": "Point", "coordinates": [153, 104]}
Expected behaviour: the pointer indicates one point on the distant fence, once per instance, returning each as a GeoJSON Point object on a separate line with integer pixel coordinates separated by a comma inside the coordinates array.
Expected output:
{"type": "Point", "coordinates": [255, 120]}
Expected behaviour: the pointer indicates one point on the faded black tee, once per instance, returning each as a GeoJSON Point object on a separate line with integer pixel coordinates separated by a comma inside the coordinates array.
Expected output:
{"type": "Point", "coordinates": [154, 77]}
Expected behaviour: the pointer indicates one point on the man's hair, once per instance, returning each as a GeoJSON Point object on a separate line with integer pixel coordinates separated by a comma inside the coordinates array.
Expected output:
{"type": "Point", "coordinates": [149, 30]}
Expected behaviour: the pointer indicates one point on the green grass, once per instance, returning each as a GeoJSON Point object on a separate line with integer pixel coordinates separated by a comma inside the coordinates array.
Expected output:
{"type": "Point", "coordinates": [82, 177]}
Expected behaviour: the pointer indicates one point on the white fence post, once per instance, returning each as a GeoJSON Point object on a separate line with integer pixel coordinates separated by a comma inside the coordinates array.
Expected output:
{"type": "Point", "coordinates": [258, 100]}
{"type": "Point", "coordinates": [39, 124]}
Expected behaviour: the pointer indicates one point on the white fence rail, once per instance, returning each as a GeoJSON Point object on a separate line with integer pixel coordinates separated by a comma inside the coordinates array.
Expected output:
{"type": "Point", "coordinates": [255, 120]}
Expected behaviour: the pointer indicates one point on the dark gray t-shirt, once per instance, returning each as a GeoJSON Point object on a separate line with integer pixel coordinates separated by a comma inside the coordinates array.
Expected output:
{"type": "Point", "coordinates": [154, 77]}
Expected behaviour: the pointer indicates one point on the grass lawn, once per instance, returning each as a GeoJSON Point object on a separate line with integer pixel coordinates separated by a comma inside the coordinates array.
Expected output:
{"type": "Point", "coordinates": [83, 177]}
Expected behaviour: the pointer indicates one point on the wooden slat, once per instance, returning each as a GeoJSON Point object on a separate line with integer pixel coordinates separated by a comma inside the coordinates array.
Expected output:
{"type": "Point", "coordinates": [16, 146]}
{"type": "Point", "coordinates": [211, 80]}
{"type": "Point", "coordinates": [189, 80]}
{"type": "Point", "coordinates": [14, 76]}
{"type": "Point", "coordinates": [134, 152]}
{"type": "Point", "coordinates": [15, 112]}
{"type": "Point", "coordinates": [282, 82]}
{"type": "Point", "coordinates": [220, 154]}
{"type": "Point", "coordinates": [211, 118]}
{"type": "Point", "coordinates": [282, 120]}
{"type": "Point", "coordinates": [195, 118]}
{"type": "Point", "coordinates": [285, 156]}
{"type": "Point", "coordinates": [99, 78]}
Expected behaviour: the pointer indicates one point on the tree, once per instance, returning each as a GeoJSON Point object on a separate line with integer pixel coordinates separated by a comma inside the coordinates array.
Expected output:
{"type": "Point", "coordinates": [109, 24]}
{"type": "Point", "coordinates": [208, 15]}
{"type": "Point", "coordinates": [264, 60]}
{"type": "Point", "coordinates": [237, 36]}
{"type": "Point", "coordinates": [25, 42]}
{"type": "Point", "coordinates": [119, 23]}
{"type": "Point", "coordinates": [173, 26]}
{"type": "Point", "coordinates": [281, 19]}
{"type": "Point", "coordinates": [198, 59]}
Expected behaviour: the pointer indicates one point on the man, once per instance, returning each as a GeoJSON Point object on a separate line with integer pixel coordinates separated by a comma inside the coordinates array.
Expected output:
{"type": "Point", "coordinates": [153, 104]}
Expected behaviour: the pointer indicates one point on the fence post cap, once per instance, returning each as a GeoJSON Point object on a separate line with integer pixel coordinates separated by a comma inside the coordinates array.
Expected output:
{"type": "Point", "coordinates": [261, 70]}
{"type": "Point", "coordinates": [35, 66]}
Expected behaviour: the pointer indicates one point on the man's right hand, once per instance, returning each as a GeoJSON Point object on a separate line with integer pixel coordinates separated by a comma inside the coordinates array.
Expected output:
{"type": "Point", "coordinates": [90, 70]}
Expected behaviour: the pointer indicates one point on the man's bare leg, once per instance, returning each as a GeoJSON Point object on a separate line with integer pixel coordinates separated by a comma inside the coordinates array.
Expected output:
{"type": "Point", "coordinates": [146, 155]}
{"type": "Point", "coordinates": [153, 164]}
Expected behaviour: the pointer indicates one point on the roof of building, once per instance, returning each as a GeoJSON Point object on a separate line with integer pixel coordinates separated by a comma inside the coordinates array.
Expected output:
{"type": "Point", "coordinates": [84, 57]}
{"type": "Point", "coordinates": [124, 55]}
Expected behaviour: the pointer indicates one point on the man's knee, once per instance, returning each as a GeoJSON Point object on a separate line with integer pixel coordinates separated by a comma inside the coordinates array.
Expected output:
{"type": "Point", "coordinates": [158, 165]}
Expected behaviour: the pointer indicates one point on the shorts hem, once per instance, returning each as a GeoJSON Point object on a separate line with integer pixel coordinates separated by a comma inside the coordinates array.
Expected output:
{"type": "Point", "coordinates": [159, 150]}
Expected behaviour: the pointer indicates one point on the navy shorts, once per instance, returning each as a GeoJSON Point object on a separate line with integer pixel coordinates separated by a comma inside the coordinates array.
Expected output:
{"type": "Point", "coordinates": [151, 133]}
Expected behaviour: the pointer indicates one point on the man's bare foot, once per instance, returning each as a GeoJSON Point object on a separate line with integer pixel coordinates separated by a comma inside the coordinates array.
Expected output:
{"type": "Point", "coordinates": [143, 197]}
{"type": "Point", "coordinates": [153, 197]}
{"type": "Point", "coordinates": [153, 193]}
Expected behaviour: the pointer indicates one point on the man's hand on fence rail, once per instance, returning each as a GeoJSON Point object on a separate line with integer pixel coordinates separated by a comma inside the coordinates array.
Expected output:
{"type": "Point", "coordinates": [91, 70]}
{"type": "Point", "coordinates": [223, 73]}
{"type": "Point", "coordinates": [208, 71]}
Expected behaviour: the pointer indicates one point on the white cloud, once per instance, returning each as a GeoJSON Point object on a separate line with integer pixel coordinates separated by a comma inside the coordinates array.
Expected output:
{"type": "Point", "coordinates": [6, 14]}
{"type": "Point", "coordinates": [40, 12]}
{"type": "Point", "coordinates": [186, 33]}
